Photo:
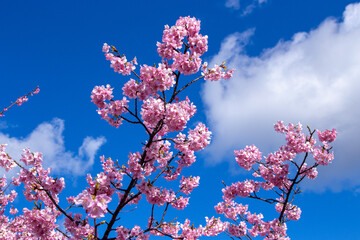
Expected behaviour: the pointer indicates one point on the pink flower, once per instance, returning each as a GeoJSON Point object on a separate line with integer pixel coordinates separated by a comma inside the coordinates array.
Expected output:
{"type": "Point", "coordinates": [13, 210]}
{"type": "Point", "coordinates": [175, 116]}
{"type": "Point", "coordinates": [134, 167]}
{"type": "Point", "coordinates": [199, 138]}
{"type": "Point", "coordinates": [189, 232]}
{"type": "Point", "coordinates": [21, 100]}
{"type": "Point", "coordinates": [112, 111]}
{"type": "Point", "coordinates": [322, 156]}
{"type": "Point", "coordinates": [180, 203]}
{"type": "Point", "coordinates": [309, 172]}
{"type": "Point", "coordinates": [238, 230]}
{"type": "Point", "coordinates": [106, 48]}
{"type": "Point", "coordinates": [118, 107]}
{"type": "Point", "coordinates": [280, 127]}
{"type": "Point", "coordinates": [198, 43]}
{"type": "Point", "coordinates": [138, 233]}
{"type": "Point", "coordinates": [119, 64]}
{"type": "Point", "coordinates": [214, 226]}
{"type": "Point", "coordinates": [216, 73]}
{"type": "Point", "coordinates": [37, 90]}
{"type": "Point", "coordinates": [155, 195]}
{"type": "Point", "coordinates": [152, 80]}
{"type": "Point", "coordinates": [188, 184]}
{"type": "Point", "coordinates": [187, 63]}
{"type": "Point", "coordinates": [94, 205]}
{"type": "Point", "coordinates": [131, 89]}
{"type": "Point", "coordinates": [100, 93]}
{"type": "Point", "coordinates": [231, 209]}
{"type": "Point", "coordinates": [40, 222]}
{"type": "Point", "coordinates": [327, 136]}
{"type": "Point", "coordinates": [79, 231]}
{"type": "Point", "coordinates": [172, 38]}
{"type": "Point", "coordinates": [122, 233]}
{"type": "Point", "coordinates": [5, 160]}
{"type": "Point", "coordinates": [241, 189]}
{"type": "Point", "coordinates": [247, 157]}
{"type": "Point", "coordinates": [192, 25]}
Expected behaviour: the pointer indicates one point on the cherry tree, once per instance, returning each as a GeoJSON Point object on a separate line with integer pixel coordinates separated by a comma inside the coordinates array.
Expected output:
{"type": "Point", "coordinates": [154, 100]}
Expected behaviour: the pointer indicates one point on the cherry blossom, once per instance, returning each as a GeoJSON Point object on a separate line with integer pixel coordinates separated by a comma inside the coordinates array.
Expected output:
{"type": "Point", "coordinates": [153, 174]}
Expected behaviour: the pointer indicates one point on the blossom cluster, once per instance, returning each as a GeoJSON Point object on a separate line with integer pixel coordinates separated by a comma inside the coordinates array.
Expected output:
{"type": "Point", "coordinates": [111, 111]}
{"type": "Point", "coordinates": [232, 210]}
{"type": "Point", "coordinates": [186, 28]}
{"type": "Point", "coordinates": [173, 116]}
{"type": "Point", "coordinates": [147, 175]}
{"type": "Point", "coordinates": [152, 80]}
{"type": "Point", "coordinates": [217, 72]}
{"type": "Point", "coordinates": [118, 63]}
{"type": "Point", "coordinates": [196, 140]}
{"type": "Point", "coordinates": [274, 169]}
{"type": "Point", "coordinates": [183, 45]}
{"type": "Point", "coordinates": [248, 156]}
{"type": "Point", "coordinates": [213, 227]}
{"type": "Point", "coordinates": [38, 187]}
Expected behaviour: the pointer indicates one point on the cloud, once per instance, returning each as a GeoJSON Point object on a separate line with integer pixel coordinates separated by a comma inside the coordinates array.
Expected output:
{"type": "Point", "coordinates": [3, 125]}
{"type": "Point", "coordinates": [313, 78]}
{"type": "Point", "coordinates": [248, 7]}
{"type": "Point", "coordinates": [233, 4]}
{"type": "Point", "coordinates": [48, 139]}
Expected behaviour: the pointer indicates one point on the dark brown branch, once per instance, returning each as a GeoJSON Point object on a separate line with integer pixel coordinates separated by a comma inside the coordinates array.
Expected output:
{"type": "Point", "coordinates": [269, 200]}
{"type": "Point", "coordinates": [187, 85]}
{"type": "Point", "coordinates": [290, 190]}
{"type": "Point", "coordinates": [62, 233]}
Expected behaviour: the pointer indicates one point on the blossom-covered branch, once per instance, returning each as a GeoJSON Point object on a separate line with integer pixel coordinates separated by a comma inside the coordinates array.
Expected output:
{"type": "Point", "coordinates": [20, 100]}
{"type": "Point", "coordinates": [152, 174]}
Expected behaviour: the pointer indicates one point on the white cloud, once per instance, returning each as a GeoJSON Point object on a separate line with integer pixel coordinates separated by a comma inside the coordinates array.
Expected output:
{"type": "Point", "coordinates": [248, 7]}
{"type": "Point", "coordinates": [313, 78]}
{"type": "Point", "coordinates": [3, 125]}
{"type": "Point", "coordinates": [48, 139]}
{"type": "Point", "coordinates": [233, 4]}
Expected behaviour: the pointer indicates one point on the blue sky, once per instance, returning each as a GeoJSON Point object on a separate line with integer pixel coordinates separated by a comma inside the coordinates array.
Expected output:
{"type": "Point", "coordinates": [295, 60]}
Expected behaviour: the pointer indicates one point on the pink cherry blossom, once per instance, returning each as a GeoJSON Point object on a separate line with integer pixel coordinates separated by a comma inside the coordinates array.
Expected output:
{"type": "Point", "coordinates": [40, 223]}
{"type": "Point", "coordinates": [122, 233]}
{"type": "Point", "coordinates": [327, 136]}
{"type": "Point", "coordinates": [154, 101]}
{"type": "Point", "coordinates": [95, 205]}
{"type": "Point", "coordinates": [100, 93]}
{"type": "Point", "coordinates": [322, 156]}
{"type": "Point", "coordinates": [214, 226]}
{"type": "Point", "coordinates": [180, 203]}
{"type": "Point", "coordinates": [231, 209]}
{"type": "Point", "coordinates": [188, 184]}
{"type": "Point", "coordinates": [199, 137]}
{"type": "Point", "coordinates": [78, 231]}
{"type": "Point", "coordinates": [187, 63]}
{"type": "Point", "coordinates": [309, 172]}
{"type": "Point", "coordinates": [5, 160]}
{"type": "Point", "coordinates": [21, 100]}
{"type": "Point", "coordinates": [191, 24]}
{"type": "Point", "coordinates": [174, 115]}
{"type": "Point", "coordinates": [152, 80]}
{"type": "Point", "coordinates": [247, 157]}
{"type": "Point", "coordinates": [106, 48]}
{"type": "Point", "coordinates": [120, 64]}
{"type": "Point", "coordinates": [155, 195]}
{"type": "Point", "coordinates": [216, 73]}
{"type": "Point", "coordinates": [238, 230]}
